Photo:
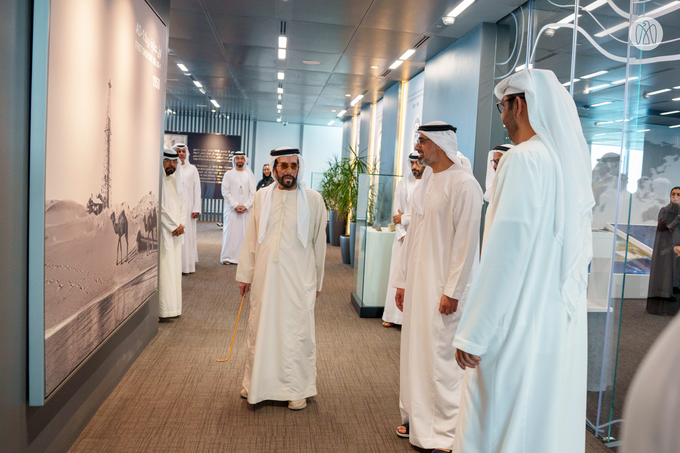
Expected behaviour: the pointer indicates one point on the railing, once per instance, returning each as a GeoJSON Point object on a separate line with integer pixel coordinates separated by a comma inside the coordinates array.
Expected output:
{"type": "Point", "coordinates": [211, 210]}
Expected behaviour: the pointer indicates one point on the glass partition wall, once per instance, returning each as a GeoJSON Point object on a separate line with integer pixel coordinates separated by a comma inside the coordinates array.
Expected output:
{"type": "Point", "coordinates": [621, 67]}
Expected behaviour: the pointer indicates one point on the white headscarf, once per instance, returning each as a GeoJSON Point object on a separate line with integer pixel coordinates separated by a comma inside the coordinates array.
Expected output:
{"type": "Point", "coordinates": [490, 172]}
{"type": "Point", "coordinates": [246, 168]}
{"type": "Point", "coordinates": [165, 202]}
{"type": "Point", "coordinates": [553, 115]}
{"type": "Point", "coordinates": [448, 142]}
{"type": "Point", "coordinates": [302, 206]}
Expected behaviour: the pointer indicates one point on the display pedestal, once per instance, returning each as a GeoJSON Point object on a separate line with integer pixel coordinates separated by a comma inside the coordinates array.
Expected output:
{"type": "Point", "coordinates": [369, 299]}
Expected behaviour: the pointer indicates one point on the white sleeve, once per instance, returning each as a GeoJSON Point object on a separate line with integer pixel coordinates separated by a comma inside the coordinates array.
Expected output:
{"type": "Point", "coordinates": [396, 207]}
{"type": "Point", "coordinates": [251, 192]}
{"type": "Point", "coordinates": [197, 192]}
{"type": "Point", "coordinates": [226, 191]}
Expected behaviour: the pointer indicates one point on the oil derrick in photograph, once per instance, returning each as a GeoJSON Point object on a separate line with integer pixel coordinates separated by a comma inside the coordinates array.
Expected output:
{"type": "Point", "coordinates": [106, 184]}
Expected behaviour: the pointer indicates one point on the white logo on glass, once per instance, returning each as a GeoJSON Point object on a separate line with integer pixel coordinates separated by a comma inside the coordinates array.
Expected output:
{"type": "Point", "coordinates": [646, 33]}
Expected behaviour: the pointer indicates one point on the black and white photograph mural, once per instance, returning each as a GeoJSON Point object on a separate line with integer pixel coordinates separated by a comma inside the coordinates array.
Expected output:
{"type": "Point", "coordinates": [102, 150]}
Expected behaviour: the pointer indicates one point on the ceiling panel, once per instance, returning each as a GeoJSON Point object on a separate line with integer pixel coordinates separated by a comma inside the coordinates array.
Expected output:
{"type": "Point", "coordinates": [413, 16]}
{"type": "Point", "coordinates": [339, 12]}
{"type": "Point", "coordinates": [327, 61]}
{"type": "Point", "coordinates": [318, 37]}
{"type": "Point", "coordinates": [186, 49]}
{"type": "Point", "coordinates": [351, 64]}
{"type": "Point", "coordinates": [265, 8]}
{"type": "Point", "coordinates": [385, 44]}
{"type": "Point", "coordinates": [255, 73]}
{"type": "Point", "coordinates": [306, 77]}
{"type": "Point", "coordinates": [190, 24]}
{"type": "Point", "coordinates": [249, 31]}
{"type": "Point", "coordinates": [251, 56]}
{"type": "Point", "coordinates": [291, 88]}
{"type": "Point", "coordinates": [186, 4]}
{"type": "Point", "coordinates": [350, 81]}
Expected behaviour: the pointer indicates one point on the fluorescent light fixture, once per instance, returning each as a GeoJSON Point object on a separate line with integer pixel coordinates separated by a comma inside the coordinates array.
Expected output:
{"type": "Point", "coordinates": [283, 42]}
{"type": "Point", "coordinates": [601, 104]}
{"type": "Point", "coordinates": [182, 67]}
{"type": "Point", "coordinates": [594, 74]}
{"type": "Point", "coordinates": [596, 88]}
{"type": "Point", "coordinates": [566, 84]}
{"type": "Point", "coordinates": [281, 75]}
{"type": "Point", "coordinates": [342, 112]}
{"type": "Point", "coordinates": [566, 20]}
{"type": "Point", "coordinates": [348, 95]}
{"type": "Point", "coordinates": [671, 113]}
{"type": "Point", "coordinates": [621, 121]}
{"type": "Point", "coordinates": [407, 54]}
{"type": "Point", "coordinates": [644, 130]}
{"type": "Point", "coordinates": [279, 107]}
{"type": "Point", "coordinates": [396, 64]}
{"type": "Point", "coordinates": [213, 111]}
{"type": "Point", "coordinates": [676, 99]}
{"type": "Point", "coordinates": [611, 30]}
{"type": "Point", "coordinates": [278, 120]}
{"type": "Point", "coordinates": [214, 102]}
{"type": "Point", "coordinates": [198, 84]}
{"type": "Point", "coordinates": [619, 82]}
{"type": "Point", "coordinates": [282, 54]}
{"type": "Point", "coordinates": [673, 127]}
{"type": "Point", "coordinates": [595, 4]}
{"type": "Point", "coordinates": [665, 90]}
{"type": "Point", "coordinates": [280, 97]}
{"type": "Point", "coordinates": [279, 90]}
{"type": "Point", "coordinates": [202, 91]}
{"type": "Point", "coordinates": [462, 6]}
{"type": "Point", "coordinates": [330, 123]}
{"type": "Point", "coordinates": [520, 67]}
{"type": "Point", "coordinates": [604, 122]}
{"type": "Point", "coordinates": [676, 88]}
{"type": "Point", "coordinates": [374, 67]}
{"type": "Point", "coordinates": [598, 135]}
{"type": "Point", "coordinates": [356, 99]}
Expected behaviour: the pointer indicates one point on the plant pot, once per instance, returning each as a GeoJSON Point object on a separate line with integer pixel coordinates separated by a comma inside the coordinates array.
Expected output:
{"type": "Point", "coordinates": [336, 227]}
{"type": "Point", "coordinates": [352, 241]}
{"type": "Point", "coordinates": [328, 236]}
{"type": "Point", "coordinates": [344, 248]}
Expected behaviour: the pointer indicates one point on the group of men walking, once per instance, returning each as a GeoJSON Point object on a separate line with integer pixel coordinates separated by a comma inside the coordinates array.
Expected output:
{"type": "Point", "coordinates": [493, 349]}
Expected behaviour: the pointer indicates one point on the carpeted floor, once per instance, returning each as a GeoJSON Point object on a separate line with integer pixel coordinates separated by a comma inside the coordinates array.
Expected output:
{"type": "Point", "coordinates": [176, 398]}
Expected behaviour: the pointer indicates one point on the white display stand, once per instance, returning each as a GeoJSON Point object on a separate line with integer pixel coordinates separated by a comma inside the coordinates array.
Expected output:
{"type": "Point", "coordinates": [377, 266]}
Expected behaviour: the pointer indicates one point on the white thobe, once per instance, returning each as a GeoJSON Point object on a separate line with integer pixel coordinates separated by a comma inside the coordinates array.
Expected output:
{"type": "Point", "coordinates": [170, 267]}
{"type": "Point", "coordinates": [285, 276]}
{"type": "Point", "coordinates": [192, 199]}
{"type": "Point", "coordinates": [439, 256]}
{"type": "Point", "coordinates": [238, 189]}
{"type": "Point", "coordinates": [528, 394]}
{"type": "Point", "coordinates": [402, 202]}
{"type": "Point", "coordinates": [652, 410]}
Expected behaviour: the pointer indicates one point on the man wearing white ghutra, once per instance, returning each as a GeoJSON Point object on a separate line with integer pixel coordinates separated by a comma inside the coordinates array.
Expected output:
{"type": "Point", "coordinates": [238, 190]}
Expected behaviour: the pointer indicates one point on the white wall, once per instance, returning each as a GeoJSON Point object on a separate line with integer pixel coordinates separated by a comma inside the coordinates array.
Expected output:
{"type": "Point", "coordinates": [319, 144]}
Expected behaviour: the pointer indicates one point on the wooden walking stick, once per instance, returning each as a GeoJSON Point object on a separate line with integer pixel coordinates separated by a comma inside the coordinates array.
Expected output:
{"type": "Point", "coordinates": [236, 327]}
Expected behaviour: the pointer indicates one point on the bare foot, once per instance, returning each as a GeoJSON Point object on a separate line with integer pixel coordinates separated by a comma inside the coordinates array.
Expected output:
{"type": "Point", "coordinates": [388, 324]}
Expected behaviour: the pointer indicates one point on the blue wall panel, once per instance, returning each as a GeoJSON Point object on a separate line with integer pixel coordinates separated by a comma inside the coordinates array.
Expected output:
{"type": "Point", "coordinates": [388, 146]}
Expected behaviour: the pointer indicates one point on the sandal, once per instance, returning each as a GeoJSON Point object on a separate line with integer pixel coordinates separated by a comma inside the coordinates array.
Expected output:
{"type": "Point", "coordinates": [403, 435]}
{"type": "Point", "coordinates": [388, 324]}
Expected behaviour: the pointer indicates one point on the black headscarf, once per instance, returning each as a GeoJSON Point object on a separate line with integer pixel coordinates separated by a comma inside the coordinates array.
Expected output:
{"type": "Point", "coordinates": [673, 208]}
{"type": "Point", "coordinates": [266, 180]}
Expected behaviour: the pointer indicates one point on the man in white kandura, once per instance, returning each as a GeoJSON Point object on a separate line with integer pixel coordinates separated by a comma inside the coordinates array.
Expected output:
{"type": "Point", "coordinates": [523, 338]}
{"type": "Point", "coordinates": [283, 262]}
{"type": "Point", "coordinates": [401, 208]}
{"type": "Point", "coordinates": [192, 200]}
{"type": "Point", "coordinates": [438, 259]}
{"type": "Point", "coordinates": [238, 191]}
{"type": "Point", "coordinates": [495, 156]}
{"type": "Point", "coordinates": [173, 214]}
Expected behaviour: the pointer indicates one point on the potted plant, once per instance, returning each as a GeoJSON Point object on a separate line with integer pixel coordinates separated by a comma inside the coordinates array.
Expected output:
{"type": "Point", "coordinates": [330, 194]}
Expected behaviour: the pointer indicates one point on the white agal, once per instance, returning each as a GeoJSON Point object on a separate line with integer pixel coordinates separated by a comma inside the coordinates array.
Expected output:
{"type": "Point", "coordinates": [173, 214]}
{"type": "Point", "coordinates": [238, 189]}
{"type": "Point", "coordinates": [403, 196]}
{"type": "Point", "coordinates": [528, 394]}
{"type": "Point", "coordinates": [285, 276]}
{"type": "Point", "coordinates": [192, 201]}
{"type": "Point", "coordinates": [439, 257]}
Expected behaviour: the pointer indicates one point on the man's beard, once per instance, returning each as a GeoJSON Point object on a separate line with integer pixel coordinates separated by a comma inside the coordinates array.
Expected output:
{"type": "Point", "coordinates": [512, 128]}
{"type": "Point", "coordinates": [288, 181]}
{"type": "Point", "coordinates": [239, 165]}
{"type": "Point", "coordinates": [169, 171]}
{"type": "Point", "coordinates": [417, 173]}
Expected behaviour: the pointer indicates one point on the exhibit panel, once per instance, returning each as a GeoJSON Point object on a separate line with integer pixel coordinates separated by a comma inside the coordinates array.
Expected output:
{"type": "Point", "coordinates": [96, 142]}
{"type": "Point", "coordinates": [618, 60]}
{"type": "Point", "coordinates": [375, 234]}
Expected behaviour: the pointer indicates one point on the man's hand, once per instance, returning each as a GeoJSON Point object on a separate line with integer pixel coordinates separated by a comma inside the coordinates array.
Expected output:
{"type": "Point", "coordinates": [179, 231]}
{"type": "Point", "coordinates": [317, 293]}
{"type": "Point", "coordinates": [195, 215]}
{"type": "Point", "coordinates": [240, 209]}
{"type": "Point", "coordinates": [399, 299]}
{"type": "Point", "coordinates": [402, 238]}
{"type": "Point", "coordinates": [397, 218]}
{"type": "Point", "coordinates": [466, 360]}
{"type": "Point", "coordinates": [244, 288]}
{"type": "Point", "coordinates": [662, 226]}
{"type": "Point", "coordinates": [677, 251]}
{"type": "Point", "coordinates": [448, 305]}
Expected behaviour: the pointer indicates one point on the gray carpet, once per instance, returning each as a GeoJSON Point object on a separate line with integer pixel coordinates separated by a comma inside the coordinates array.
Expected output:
{"type": "Point", "coordinates": [176, 398]}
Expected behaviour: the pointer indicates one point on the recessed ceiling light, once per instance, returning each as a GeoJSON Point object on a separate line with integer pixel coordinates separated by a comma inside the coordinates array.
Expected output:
{"type": "Point", "coordinates": [596, 88]}
{"type": "Point", "coordinates": [407, 54]}
{"type": "Point", "coordinates": [594, 74]}
{"type": "Point", "coordinates": [673, 127]}
{"type": "Point", "coordinates": [566, 84]}
{"type": "Point", "coordinates": [214, 102]}
{"type": "Point", "coordinates": [278, 120]}
{"type": "Point", "coordinates": [619, 82]}
{"type": "Point", "coordinates": [671, 113]}
{"type": "Point", "coordinates": [566, 20]}
{"type": "Point", "coordinates": [280, 97]}
{"type": "Point", "coordinates": [374, 67]}
{"type": "Point", "coordinates": [342, 112]}
{"type": "Point", "coordinates": [598, 135]}
{"type": "Point", "coordinates": [333, 111]}
{"type": "Point", "coordinates": [462, 6]}
{"type": "Point", "coordinates": [283, 42]}
{"type": "Point", "coordinates": [198, 84]}
{"type": "Point", "coordinates": [279, 90]}
{"type": "Point", "coordinates": [330, 123]}
{"type": "Point", "coordinates": [520, 67]}
{"type": "Point", "coordinates": [213, 111]}
{"type": "Point", "coordinates": [356, 99]}
{"type": "Point", "coordinates": [396, 64]}
{"type": "Point", "coordinates": [601, 104]}
{"type": "Point", "coordinates": [280, 75]}
{"type": "Point", "coordinates": [676, 88]}
{"type": "Point", "coordinates": [282, 54]}
{"type": "Point", "coordinates": [202, 91]}
{"type": "Point", "coordinates": [676, 99]}
{"type": "Point", "coordinates": [644, 130]}
{"type": "Point", "coordinates": [604, 122]}
{"type": "Point", "coordinates": [311, 62]}
{"type": "Point", "coordinates": [182, 67]}
{"type": "Point", "coordinates": [665, 90]}
{"type": "Point", "coordinates": [348, 95]}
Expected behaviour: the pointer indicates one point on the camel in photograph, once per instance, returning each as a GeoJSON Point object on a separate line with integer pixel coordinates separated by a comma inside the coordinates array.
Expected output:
{"type": "Point", "coordinates": [120, 228]}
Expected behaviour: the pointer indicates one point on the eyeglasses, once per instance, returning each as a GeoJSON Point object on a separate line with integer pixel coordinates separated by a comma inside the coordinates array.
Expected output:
{"type": "Point", "coordinates": [500, 105]}
{"type": "Point", "coordinates": [286, 166]}
{"type": "Point", "coordinates": [422, 140]}
{"type": "Point", "coordinates": [495, 161]}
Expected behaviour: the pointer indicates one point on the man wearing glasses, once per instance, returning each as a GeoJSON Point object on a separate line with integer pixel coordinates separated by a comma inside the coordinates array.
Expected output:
{"type": "Point", "coordinates": [523, 338]}
{"type": "Point", "coordinates": [432, 279]}
{"type": "Point", "coordinates": [282, 261]}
